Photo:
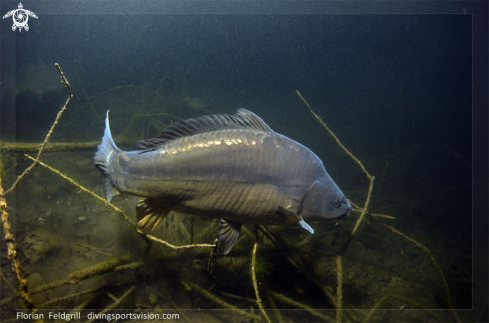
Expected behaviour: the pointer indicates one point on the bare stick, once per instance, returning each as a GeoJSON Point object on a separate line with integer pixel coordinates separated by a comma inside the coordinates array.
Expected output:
{"type": "Point", "coordinates": [407, 301]}
{"type": "Point", "coordinates": [86, 96]}
{"type": "Point", "coordinates": [365, 207]}
{"type": "Point", "coordinates": [12, 253]}
{"type": "Point", "coordinates": [381, 300]}
{"type": "Point", "coordinates": [103, 267]}
{"type": "Point", "coordinates": [356, 208]}
{"type": "Point", "coordinates": [315, 281]}
{"type": "Point", "coordinates": [333, 135]}
{"type": "Point", "coordinates": [117, 302]}
{"type": "Point", "coordinates": [272, 303]}
{"type": "Point", "coordinates": [189, 285]}
{"type": "Point", "coordinates": [385, 216]}
{"type": "Point", "coordinates": [246, 299]}
{"type": "Point", "coordinates": [52, 146]}
{"type": "Point", "coordinates": [339, 289]}
{"type": "Point", "coordinates": [63, 79]}
{"type": "Point", "coordinates": [59, 283]}
{"type": "Point", "coordinates": [287, 300]}
{"type": "Point", "coordinates": [255, 285]}
{"type": "Point", "coordinates": [28, 169]}
{"type": "Point", "coordinates": [371, 178]}
{"type": "Point", "coordinates": [432, 259]}
{"type": "Point", "coordinates": [69, 296]}
{"type": "Point", "coordinates": [5, 280]}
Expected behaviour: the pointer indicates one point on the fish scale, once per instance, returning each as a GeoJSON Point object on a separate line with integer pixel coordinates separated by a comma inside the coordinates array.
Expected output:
{"type": "Point", "coordinates": [230, 167]}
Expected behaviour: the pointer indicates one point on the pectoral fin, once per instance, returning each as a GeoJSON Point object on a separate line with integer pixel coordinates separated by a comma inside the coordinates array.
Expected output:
{"type": "Point", "coordinates": [150, 213]}
{"type": "Point", "coordinates": [304, 225]}
{"type": "Point", "coordinates": [292, 217]}
{"type": "Point", "coordinates": [228, 234]}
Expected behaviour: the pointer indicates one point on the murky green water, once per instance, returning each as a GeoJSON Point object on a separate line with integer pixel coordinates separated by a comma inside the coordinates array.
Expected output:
{"type": "Point", "coordinates": [421, 164]}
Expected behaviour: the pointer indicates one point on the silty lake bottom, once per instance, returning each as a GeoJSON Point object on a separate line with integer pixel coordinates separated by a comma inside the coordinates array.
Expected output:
{"type": "Point", "coordinates": [61, 231]}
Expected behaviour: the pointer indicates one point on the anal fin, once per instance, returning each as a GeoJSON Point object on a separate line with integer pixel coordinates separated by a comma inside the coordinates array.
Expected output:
{"type": "Point", "coordinates": [228, 234]}
{"type": "Point", "coordinates": [292, 217]}
{"type": "Point", "coordinates": [150, 213]}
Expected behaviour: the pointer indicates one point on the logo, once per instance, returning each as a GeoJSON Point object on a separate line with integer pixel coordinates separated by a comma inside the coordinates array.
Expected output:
{"type": "Point", "coordinates": [20, 17]}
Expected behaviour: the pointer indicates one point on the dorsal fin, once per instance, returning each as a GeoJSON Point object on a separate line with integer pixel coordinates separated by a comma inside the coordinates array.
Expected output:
{"type": "Point", "coordinates": [242, 119]}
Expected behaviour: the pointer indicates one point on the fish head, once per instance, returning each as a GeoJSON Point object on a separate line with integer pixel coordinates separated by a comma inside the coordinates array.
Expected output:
{"type": "Point", "coordinates": [324, 201]}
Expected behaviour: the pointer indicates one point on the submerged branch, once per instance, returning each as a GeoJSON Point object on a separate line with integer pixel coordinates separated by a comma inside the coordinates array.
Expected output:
{"type": "Point", "coordinates": [12, 252]}
{"type": "Point", "coordinates": [255, 285]}
{"type": "Point", "coordinates": [432, 259]}
{"type": "Point", "coordinates": [189, 285]}
{"type": "Point", "coordinates": [311, 310]}
{"type": "Point", "coordinates": [334, 136]}
{"type": "Point", "coordinates": [28, 169]}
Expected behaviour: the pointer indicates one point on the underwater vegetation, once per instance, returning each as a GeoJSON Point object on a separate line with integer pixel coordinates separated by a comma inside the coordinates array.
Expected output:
{"type": "Point", "coordinates": [73, 250]}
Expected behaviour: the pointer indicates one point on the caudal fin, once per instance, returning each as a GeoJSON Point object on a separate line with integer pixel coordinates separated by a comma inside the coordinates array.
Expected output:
{"type": "Point", "coordinates": [102, 157]}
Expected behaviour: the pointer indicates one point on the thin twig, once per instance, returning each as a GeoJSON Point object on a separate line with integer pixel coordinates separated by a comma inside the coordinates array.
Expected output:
{"type": "Point", "coordinates": [333, 135]}
{"type": "Point", "coordinates": [67, 281]}
{"type": "Point", "coordinates": [12, 252]}
{"type": "Point", "coordinates": [339, 289]}
{"type": "Point", "coordinates": [117, 302]}
{"type": "Point", "coordinates": [272, 303]}
{"type": "Point", "coordinates": [88, 99]}
{"type": "Point", "coordinates": [189, 285]}
{"type": "Point", "coordinates": [255, 285]}
{"type": "Point", "coordinates": [70, 296]}
{"type": "Point", "coordinates": [51, 146]}
{"type": "Point", "coordinates": [432, 259]}
{"type": "Point", "coordinates": [365, 207]}
{"type": "Point", "coordinates": [287, 300]}
{"type": "Point", "coordinates": [102, 267]}
{"type": "Point", "coordinates": [5, 280]}
{"type": "Point", "coordinates": [28, 169]}
{"type": "Point", "coordinates": [307, 275]}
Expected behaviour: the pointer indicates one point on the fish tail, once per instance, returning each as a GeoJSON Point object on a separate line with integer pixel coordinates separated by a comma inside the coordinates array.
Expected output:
{"type": "Point", "coordinates": [102, 157]}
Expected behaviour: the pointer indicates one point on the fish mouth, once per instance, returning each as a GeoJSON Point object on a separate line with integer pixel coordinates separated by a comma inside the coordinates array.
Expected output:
{"type": "Point", "coordinates": [347, 213]}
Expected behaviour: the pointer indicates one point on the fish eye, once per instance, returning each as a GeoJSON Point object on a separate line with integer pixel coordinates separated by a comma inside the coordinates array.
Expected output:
{"type": "Point", "coordinates": [337, 203]}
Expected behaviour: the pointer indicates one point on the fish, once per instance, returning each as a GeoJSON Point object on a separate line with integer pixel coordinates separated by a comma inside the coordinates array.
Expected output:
{"type": "Point", "coordinates": [230, 167]}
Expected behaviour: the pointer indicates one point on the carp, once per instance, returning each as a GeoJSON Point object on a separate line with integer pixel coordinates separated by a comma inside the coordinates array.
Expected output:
{"type": "Point", "coordinates": [228, 167]}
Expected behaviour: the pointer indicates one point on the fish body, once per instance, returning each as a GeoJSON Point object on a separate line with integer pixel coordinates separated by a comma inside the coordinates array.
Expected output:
{"type": "Point", "coordinates": [228, 167]}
